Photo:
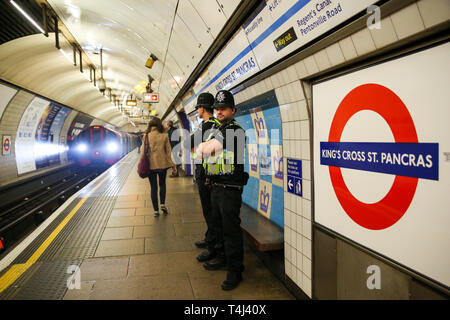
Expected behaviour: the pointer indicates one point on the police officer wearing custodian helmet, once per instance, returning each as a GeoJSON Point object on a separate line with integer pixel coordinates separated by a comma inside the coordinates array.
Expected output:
{"type": "Point", "coordinates": [205, 111]}
{"type": "Point", "coordinates": [223, 156]}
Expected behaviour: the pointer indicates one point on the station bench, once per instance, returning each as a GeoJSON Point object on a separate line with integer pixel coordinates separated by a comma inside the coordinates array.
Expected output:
{"type": "Point", "coordinates": [263, 233]}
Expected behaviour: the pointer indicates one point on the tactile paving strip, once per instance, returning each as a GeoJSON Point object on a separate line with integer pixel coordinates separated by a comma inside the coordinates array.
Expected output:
{"type": "Point", "coordinates": [47, 278]}
{"type": "Point", "coordinates": [48, 282]}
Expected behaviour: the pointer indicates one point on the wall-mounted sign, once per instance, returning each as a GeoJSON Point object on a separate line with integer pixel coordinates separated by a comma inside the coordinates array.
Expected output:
{"type": "Point", "coordinates": [285, 39]}
{"type": "Point", "coordinates": [131, 103]}
{"type": "Point", "coordinates": [294, 176]}
{"type": "Point", "coordinates": [150, 97]}
{"type": "Point", "coordinates": [274, 30]}
{"type": "Point", "coordinates": [380, 178]}
{"type": "Point", "coordinates": [6, 145]}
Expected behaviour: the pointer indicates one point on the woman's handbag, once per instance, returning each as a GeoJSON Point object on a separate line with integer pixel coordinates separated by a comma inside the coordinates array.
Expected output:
{"type": "Point", "coordinates": [143, 169]}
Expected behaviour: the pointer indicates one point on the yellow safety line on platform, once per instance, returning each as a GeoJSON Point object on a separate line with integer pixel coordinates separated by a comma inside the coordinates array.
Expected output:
{"type": "Point", "coordinates": [18, 269]}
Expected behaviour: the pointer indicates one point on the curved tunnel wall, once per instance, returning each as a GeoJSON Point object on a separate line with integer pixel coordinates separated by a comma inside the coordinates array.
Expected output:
{"type": "Point", "coordinates": [26, 124]}
{"type": "Point", "coordinates": [33, 63]}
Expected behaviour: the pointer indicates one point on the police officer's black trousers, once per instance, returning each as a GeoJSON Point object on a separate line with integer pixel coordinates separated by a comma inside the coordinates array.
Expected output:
{"type": "Point", "coordinates": [226, 205]}
{"type": "Point", "coordinates": [205, 199]}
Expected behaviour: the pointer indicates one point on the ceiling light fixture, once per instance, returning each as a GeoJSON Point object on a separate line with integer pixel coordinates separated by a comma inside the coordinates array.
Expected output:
{"type": "Point", "coordinates": [151, 61]}
{"type": "Point", "coordinates": [27, 16]}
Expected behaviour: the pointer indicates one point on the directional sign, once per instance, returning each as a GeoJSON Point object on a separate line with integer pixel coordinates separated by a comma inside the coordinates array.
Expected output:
{"type": "Point", "coordinates": [150, 97]}
{"type": "Point", "coordinates": [6, 145]}
{"type": "Point", "coordinates": [290, 184]}
{"type": "Point", "coordinates": [294, 176]}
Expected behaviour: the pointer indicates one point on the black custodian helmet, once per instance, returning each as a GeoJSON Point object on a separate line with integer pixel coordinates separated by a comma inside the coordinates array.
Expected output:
{"type": "Point", "coordinates": [224, 99]}
{"type": "Point", "coordinates": [205, 100]}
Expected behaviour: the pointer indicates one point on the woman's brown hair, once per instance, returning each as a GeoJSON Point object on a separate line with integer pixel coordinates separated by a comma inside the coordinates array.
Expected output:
{"type": "Point", "coordinates": [155, 122]}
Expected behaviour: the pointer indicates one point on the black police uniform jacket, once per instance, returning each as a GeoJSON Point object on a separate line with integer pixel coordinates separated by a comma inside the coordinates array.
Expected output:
{"type": "Point", "coordinates": [197, 137]}
{"type": "Point", "coordinates": [231, 170]}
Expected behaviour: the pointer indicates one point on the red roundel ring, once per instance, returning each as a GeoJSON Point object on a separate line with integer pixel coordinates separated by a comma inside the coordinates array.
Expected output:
{"type": "Point", "coordinates": [6, 144]}
{"type": "Point", "coordinates": [387, 104]}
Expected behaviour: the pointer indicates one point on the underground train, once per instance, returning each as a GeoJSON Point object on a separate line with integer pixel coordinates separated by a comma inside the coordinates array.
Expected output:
{"type": "Point", "coordinates": [98, 145]}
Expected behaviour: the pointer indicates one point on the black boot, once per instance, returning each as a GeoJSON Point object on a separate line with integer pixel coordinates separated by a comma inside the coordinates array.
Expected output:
{"type": "Point", "coordinates": [207, 255]}
{"type": "Point", "coordinates": [232, 280]}
{"type": "Point", "coordinates": [201, 244]}
{"type": "Point", "coordinates": [219, 263]}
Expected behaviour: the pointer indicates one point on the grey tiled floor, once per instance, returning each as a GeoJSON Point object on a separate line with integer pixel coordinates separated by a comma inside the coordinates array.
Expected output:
{"type": "Point", "coordinates": [143, 257]}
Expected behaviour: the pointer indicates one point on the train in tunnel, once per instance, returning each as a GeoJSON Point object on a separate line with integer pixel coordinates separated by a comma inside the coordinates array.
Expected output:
{"type": "Point", "coordinates": [98, 145]}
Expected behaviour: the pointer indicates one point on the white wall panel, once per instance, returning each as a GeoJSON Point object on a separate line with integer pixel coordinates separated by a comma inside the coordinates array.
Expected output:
{"type": "Point", "coordinates": [228, 6]}
{"type": "Point", "coordinates": [211, 15]}
{"type": "Point", "coordinates": [6, 94]}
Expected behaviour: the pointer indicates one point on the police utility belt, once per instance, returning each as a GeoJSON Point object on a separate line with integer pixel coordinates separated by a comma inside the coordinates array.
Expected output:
{"type": "Point", "coordinates": [227, 186]}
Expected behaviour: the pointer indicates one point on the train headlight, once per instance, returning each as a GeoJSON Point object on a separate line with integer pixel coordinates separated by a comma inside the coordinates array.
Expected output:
{"type": "Point", "coordinates": [112, 147]}
{"type": "Point", "coordinates": [81, 147]}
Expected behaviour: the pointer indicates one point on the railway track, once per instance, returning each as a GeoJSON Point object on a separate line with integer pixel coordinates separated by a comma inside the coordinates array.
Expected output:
{"type": "Point", "coordinates": [32, 204]}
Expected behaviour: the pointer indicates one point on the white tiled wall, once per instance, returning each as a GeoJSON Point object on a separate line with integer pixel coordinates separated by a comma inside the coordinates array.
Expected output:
{"type": "Point", "coordinates": [296, 144]}
{"type": "Point", "coordinates": [295, 118]}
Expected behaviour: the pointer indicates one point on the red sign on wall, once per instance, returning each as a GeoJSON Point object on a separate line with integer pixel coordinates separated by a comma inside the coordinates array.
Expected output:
{"type": "Point", "coordinates": [151, 97]}
{"type": "Point", "coordinates": [6, 145]}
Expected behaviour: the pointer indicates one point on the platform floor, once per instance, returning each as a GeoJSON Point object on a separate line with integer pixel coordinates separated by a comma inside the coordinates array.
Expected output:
{"type": "Point", "coordinates": [142, 257]}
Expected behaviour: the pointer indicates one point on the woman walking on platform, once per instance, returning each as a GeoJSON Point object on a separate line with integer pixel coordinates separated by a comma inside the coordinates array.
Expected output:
{"type": "Point", "coordinates": [159, 155]}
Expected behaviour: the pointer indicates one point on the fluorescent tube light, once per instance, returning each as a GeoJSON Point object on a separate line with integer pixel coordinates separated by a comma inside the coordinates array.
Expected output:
{"type": "Point", "coordinates": [27, 16]}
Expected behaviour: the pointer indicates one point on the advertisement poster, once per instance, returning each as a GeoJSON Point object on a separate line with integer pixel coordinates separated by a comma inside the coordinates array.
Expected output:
{"type": "Point", "coordinates": [55, 136]}
{"type": "Point", "coordinates": [26, 133]}
{"type": "Point", "coordinates": [42, 143]}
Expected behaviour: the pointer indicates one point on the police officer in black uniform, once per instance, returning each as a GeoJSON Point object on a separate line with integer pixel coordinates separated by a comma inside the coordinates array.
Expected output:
{"type": "Point", "coordinates": [224, 167]}
{"type": "Point", "coordinates": [205, 111]}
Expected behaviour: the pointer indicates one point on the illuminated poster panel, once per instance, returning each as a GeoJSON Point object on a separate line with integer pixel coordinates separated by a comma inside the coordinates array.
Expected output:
{"type": "Point", "coordinates": [26, 133]}
{"type": "Point", "coordinates": [44, 147]}
{"type": "Point", "coordinates": [37, 141]}
{"type": "Point", "coordinates": [57, 146]}
{"type": "Point", "coordinates": [381, 173]}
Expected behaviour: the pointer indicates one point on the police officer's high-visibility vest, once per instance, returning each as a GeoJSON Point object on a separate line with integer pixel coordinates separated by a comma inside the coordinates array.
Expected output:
{"type": "Point", "coordinates": [222, 164]}
{"type": "Point", "coordinates": [215, 122]}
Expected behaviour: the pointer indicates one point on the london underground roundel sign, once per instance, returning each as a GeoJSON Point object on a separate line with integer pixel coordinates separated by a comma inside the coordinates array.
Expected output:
{"type": "Point", "coordinates": [381, 159]}
{"type": "Point", "coordinates": [6, 145]}
{"type": "Point", "coordinates": [391, 108]}
{"type": "Point", "coordinates": [407, 159]}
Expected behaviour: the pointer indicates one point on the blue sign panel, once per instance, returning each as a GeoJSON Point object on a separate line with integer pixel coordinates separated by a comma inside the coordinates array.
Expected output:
{"type": "Point", "coordinates": [294, 167]}
{"type": "Point", "coordinates": [417, 160]}
{"type": "Point", "coordinates": [294, 176]}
